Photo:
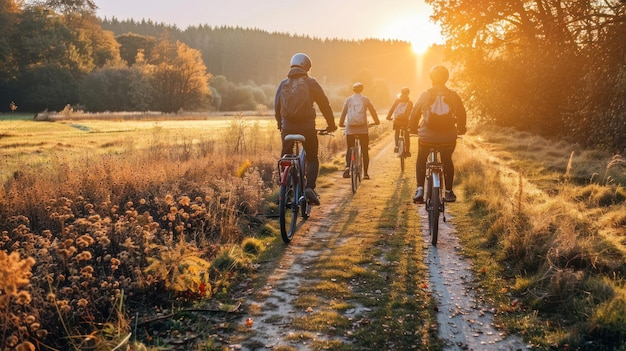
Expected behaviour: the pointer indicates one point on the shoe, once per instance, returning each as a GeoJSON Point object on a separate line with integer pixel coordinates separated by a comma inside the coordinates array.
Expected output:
{"type": "Point", "coordinates": [312, 197]}
{"type": "Point", "coordinates": [418, 198]}
{"type": "Point", "coordinates": [346, 172]}
{"type": "Point", "coordinates": [366, 176]}
{"type": "Point", "coordinates": [395, 149]}
{"type": "Point", "coordinates": [407, 154]}
{"type": "Point", "coordinates": [449, 197]}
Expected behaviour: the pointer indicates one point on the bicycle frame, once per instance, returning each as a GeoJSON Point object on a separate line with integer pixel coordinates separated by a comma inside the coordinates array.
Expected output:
{"type": "Point", "coordinates": [292, 180]}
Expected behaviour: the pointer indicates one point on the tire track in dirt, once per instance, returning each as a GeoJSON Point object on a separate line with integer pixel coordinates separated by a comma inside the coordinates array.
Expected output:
{"type": "Point", "coordinates": [465, 321]}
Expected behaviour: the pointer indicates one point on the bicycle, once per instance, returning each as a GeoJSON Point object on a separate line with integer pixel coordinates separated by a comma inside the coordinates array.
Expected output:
{"type": "Point", "coordinates": [434, 190]}
{"type": "Point", "coordinates": [403, 148]}
{"type": "Point", "coordinates": [356, 162]}
{"type": "Point", "coordinates": [292, 201]}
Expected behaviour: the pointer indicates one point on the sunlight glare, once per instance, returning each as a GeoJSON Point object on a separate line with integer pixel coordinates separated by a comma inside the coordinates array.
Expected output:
{"type": "Point", "coordinates": [418, 31]}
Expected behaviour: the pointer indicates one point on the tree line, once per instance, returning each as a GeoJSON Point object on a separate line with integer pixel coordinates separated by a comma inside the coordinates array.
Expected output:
{"type": "Point", "coordinates": [57, 53]}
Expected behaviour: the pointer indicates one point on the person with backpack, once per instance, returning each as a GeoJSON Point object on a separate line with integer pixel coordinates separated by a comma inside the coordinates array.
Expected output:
{"type": "Point", "coordinates": [400, 112]}
{"type": "Point", "coordinates": [354, 118]}
{"type": "Point", "coordinates": [444, 117]}
{"type": "Point", "coordinates": [295, 114]}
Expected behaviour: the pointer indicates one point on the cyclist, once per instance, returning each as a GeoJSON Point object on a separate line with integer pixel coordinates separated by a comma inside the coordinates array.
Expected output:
{"type": "Point", "coordinates": [295, 114]}
{"type": "Point", "coordinates": [355, 114]}
{"type": "Point", "coordinates": [400, 112]}
{"type": "Point", "coordinates": [444, 119]}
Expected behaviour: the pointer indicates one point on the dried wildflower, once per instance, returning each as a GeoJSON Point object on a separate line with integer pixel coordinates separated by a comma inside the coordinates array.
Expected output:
{"type": "Point", "coordinates": [12, 341]}
{"type": "Point", "coordinates": [87, 271]}
{"type": "Point", "coordinates": [82, 303]}
{"type": "Point", "coordinates": [25, 346]}
{"type": "Point", "coordinates": [23, 298]}
{"type": "Point", "coordinates": [169, 199]}
{"type": "Point", "coordinates": [42, 333]}
{"type": "Point", "coordinates": [104, 241]}
{"type": "Point", "coordinates": [129, 204]}
{"type": "Point", "coordinates": [30, 319]}
{"type": "Point", "coordinates": [85, 240]}
{"type": "Point", "coordinates": [51, 297]}
{"type": "Point", "coordinates": [184, 201]}
{"type": "Point", "coordinates": [142, 201]}
{"type": "Point", "coordinates": [35, 326]}
{"type": "Point", "coordinates": [84, 256]}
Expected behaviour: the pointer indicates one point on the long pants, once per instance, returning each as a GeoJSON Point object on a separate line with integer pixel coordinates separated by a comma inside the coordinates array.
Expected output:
{"type": "Point", "coordinates": [445, 150]}
{"type": "Point", "coordinates": [365, 142]}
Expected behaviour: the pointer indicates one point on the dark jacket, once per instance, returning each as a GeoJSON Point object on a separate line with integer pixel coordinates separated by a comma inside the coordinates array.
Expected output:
{"type": "Point", "coordinates": [428, 135]}
{"type": "Point", "coordinates": [317, 96]}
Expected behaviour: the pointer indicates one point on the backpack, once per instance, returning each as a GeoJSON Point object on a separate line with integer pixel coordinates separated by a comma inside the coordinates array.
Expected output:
{"type": "Point", "coordinates": [357, 112]}
{"type": "Point", "coordinates": [438, 115]}
{"type": "Point", "coordinates": [400, 111]}
{"type": "Point", "coordinates": [295, 100]}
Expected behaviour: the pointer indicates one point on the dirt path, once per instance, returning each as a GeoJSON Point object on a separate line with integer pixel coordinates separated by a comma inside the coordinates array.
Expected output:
{"type": "Point", "coordinates": [464, 320]}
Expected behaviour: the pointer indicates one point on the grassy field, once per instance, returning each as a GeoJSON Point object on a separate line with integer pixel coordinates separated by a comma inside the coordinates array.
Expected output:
{"type": "Point", "coordinates": [120, 215]}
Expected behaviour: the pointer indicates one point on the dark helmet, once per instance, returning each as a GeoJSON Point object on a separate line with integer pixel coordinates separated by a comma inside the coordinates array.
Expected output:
{"type": "Point", "coordinates": [357, 87]}
{"type": "Point", "coordinates": [439, 75]}
{"type": "Point", "coordinates": [405, 91]}
{"type": "Point", "coordinates": [302, 61]}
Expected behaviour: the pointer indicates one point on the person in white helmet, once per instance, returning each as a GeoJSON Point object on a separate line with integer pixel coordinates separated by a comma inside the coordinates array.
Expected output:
{"type": "Point", "coordinates": [295, 114]}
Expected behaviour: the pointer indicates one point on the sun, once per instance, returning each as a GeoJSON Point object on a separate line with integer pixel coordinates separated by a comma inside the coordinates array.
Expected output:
{"type": "Point", "coordinates": [418, 31]}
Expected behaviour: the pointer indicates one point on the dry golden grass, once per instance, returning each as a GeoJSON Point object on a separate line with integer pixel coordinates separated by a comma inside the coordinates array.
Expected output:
{"type": "Point", "coordinates": [130, 217]}
{"type": "Point", "coordinates": [556, 243]}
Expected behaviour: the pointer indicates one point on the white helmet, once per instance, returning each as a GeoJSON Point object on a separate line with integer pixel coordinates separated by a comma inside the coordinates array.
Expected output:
{"type": "Point", "coordinates": [301, 60]}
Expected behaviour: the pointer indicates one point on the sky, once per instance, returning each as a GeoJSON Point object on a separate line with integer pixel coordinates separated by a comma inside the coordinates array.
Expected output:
{"type": "Point", "coordinates": [406, 20]}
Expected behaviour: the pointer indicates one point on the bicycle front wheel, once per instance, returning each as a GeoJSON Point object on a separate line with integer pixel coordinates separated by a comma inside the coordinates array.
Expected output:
{"type": "Point", "coordinates": [288, 206]}
{"type": "Point", "coordinates": [433, 206]}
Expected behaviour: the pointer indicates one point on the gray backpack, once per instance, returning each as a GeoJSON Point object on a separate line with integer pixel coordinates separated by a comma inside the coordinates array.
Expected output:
{"type": "Point", "coordinates": [295, 99]}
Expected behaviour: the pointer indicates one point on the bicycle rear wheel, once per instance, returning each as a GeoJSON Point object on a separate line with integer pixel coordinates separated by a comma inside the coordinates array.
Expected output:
{"type": "Point", "coordinates": [354, 169]}
{"type": "Point", "coordinates": [288, 206]}
{"type": "Point", "coordinates": [401, 153]}
{"type": "Point", "coordinates": [433, 206]}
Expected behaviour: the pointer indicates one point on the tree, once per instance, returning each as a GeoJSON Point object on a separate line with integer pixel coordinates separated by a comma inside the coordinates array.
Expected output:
{"type": "Point", "coordinates": [179, 77]}
{"type": "Point", "coordinates": [132, 44]}
{"type": "Point", "coordinates": [72, 6]}
{"type": "Point", "coordinates": [524, 62]}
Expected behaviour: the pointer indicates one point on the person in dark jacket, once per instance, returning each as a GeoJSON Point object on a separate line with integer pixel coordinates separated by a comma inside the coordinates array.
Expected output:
{"type": "Point", "coordinates": [400, 112]}
{"type": "Point", "coordinates": [304, 123]}
{"type": "Point", "coordinates": [444, 137]}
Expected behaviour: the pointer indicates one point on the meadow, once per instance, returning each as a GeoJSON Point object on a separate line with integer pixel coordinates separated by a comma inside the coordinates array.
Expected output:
{"type": "Point", "coordinates": [106, 225]}
{"type": "Point", "coordinates": [103, 220]}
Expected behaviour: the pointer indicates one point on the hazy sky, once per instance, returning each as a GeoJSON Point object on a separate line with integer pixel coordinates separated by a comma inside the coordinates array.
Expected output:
{"type": "Point", "coordinates": [345, 19]}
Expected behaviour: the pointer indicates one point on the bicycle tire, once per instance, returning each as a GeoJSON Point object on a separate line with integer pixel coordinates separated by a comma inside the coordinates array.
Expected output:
{"type": "Point", "coordinates": [288, 206]}
{"type": "Point", "coordinates": [354, 177]}
{"type": "Point", "coordinates": [359, 161]}
{"type": "Point", "coordinates": [433, 214]}
{"type": "Point", "coordinates": [401, 153]}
